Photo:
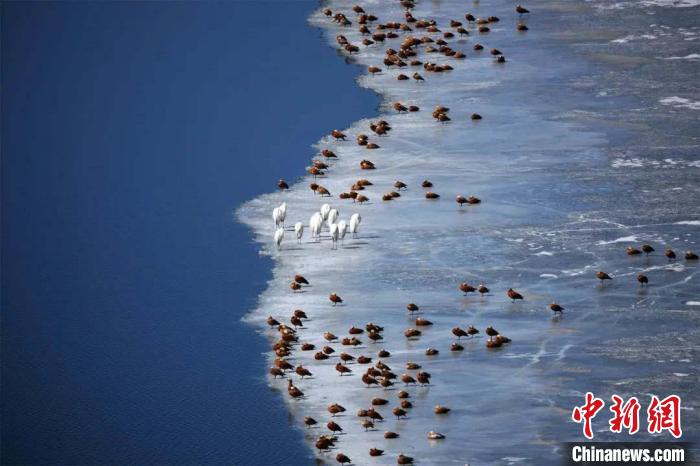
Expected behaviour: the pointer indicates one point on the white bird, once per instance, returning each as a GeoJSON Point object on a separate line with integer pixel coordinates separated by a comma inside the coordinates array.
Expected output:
{"type": "Point", "coordinates": [355, 221]}
{"type": "Point", "coordinates": [315, 225]}
{"type": "Point", "coordinates": [332, 216]}
{"type": "Point", "coordinates": [299, 230]}
{"type": "Point", "coordinates": [325, 209]}
{"type": "Point", "coordinates": [279, 235]}
{"type": "Point", "coordinates": [334, 234]}
{"type": "Point", "coordinates": [276, 215]}
{"type": "Point", "coordinates": [342, 229]}
{"type": "Point", "coordinates": [283, 208]}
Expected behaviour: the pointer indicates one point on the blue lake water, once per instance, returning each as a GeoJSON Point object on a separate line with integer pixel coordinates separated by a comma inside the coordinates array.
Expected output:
{"type": "Point", "coordinates": [130, 132]}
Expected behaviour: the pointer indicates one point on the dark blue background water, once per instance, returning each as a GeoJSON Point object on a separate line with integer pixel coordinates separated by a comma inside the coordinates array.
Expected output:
{"type": "Point", "coordinates": [131, 130]}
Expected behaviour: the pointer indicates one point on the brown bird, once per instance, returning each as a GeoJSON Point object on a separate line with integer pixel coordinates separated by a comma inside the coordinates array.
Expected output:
{"type": "Point", "coordinates": [632, 251]}
{"type": "Point", "coordinates": [335, 408]}
{"type": "Point", "coordinates": [478, 47]}
{"type": "Point", "coordinates": [375, 452]}
{"type": "Point", "coordinates": [363, 359]}
{"type": "Point", "coordinates": [323, 191]}
{"type": "Point", "coordinates": [556, 308]}
{"type": "Point", "coordinates": [294, 391]}
{"type": "Point", "coordinates": [426, 184]}
{"type": "Point", "coordinates": [461, 200]}
{"type": "Point", "coordinates": [501, 59]}
{"type": "Point", "coordinates": [307, 347]}
{"type": "Point", "coordinates": [412, 333]}
{"type": "Point", "coordinates": [300, 279]}
{"type": "Point", "coordinates": [403, 394]}
{"type": "Point", "coordinates": [475, 116]}
{"type": "Point", "coordinates": [398, 412]}
{"type": "Point", "coordinates": [355, 331]}
{"type": "Point", "coordinates": [602, 276]}
{"type": "Point", "coordinates": [375, 337]}
{"type": "Point", "coordinates": [418, 77]}
{"type": "Point", "coordinates": [482, 289]}
{"type": "Point", "coordinates": [431, 352]}
{"type": "Point", "coordinates": [691, 256]}
{"type": "Point", "coordinates": [423, 378]}
{"type": "Point", "coordinates": [647, 249]}
{"type": "Point", "coordinates": [471, 330]}
{"type": "Point", "coordinates": [295, 286]}
{"type": "Point", "coordinates": [367, 424]}
{"type": "Point", "coordinates": [302, 371]}
{"type": "Point", "coordinates": [496, 52]}
{"type": "Point", "coordinates": [421, 322]}
{"type": "Point", "coordinates": [403, 459]}
{"type": "Point", "coordinates": [399, 185]}
{"type": "Point", "coordinates": [328, 336]}
{"type": "Point", "coordinates": [473, 200]}
{"type": "Point", "coordinates": [323, 443]}
{"type": "Point", "coordinates": [670, 254]}
{"type": "Point", "coordinates": [522, 27]}
{"type": "Point", "coordinates": [459, 333]}
{"type": "Point", "coordinates": [373, 414]}
{"type": "Point", "coordinates": [309, 421]}
{"type": "Point", "coordinates": [402, 77]}
{"type": "Point", "coordinates": [374, 69]}
{"type": "Point", "coordinates": [383, 354]}
{"type": "Point", "coordinates": [491, 332]}
{"type": "Point", "coordinates": [338, 134]}
{"type": "Point", "coordinates": [466, 288]}
{"type": "Point", "coordinates": [379, 401]}
{"type": "Point", "coordinates": [386, 383]}
{"type": "Point", "coordinates": [329, 154]}
{"type": "Point", "coordinates": [335, 299]}
{"type": "Point", "coordinates": [334, 427]}
{"type": "Point", "coordinates": [276, 372]}
{"type": "Point", "coordinates": [431, 195]}
{"type": "Point", "coordinates": [411, 366]}
{"type": "Point", "coordinates": [272, 322]}
{"type": "Point", "coordinates": [341, 458]}
{"type": "Point", "coordinates": [521, 10]}
{"type": "Point", "coordinates": [345, 357]}
{"type": "Point", "coordinates": [320, 356]}
{"type": "Point", "coordinates": [342, 369]}
{"type": "Point", "coordinates": [411, 307]}
{"type": "Point", "coordinates": [399, 107]}
{"type": "Point", "coordinates": [405, 404]}
{"type": "Point", "coordinates": [642, 279]}
{"type": "Point", "coordinates": [407, 379]}
{"type": "Point", "coordinates": [281, 184]}
{"type": "Point", "coordinates": [300, 314]}
{"type": "Point", "coordinates": [296, 321]}
{"type": "Point", "coordinates": [456, 347]}
{"type": "Point", "coordinates": [513, 295]}
{"type": "Point", "coordinates": [439, 409]}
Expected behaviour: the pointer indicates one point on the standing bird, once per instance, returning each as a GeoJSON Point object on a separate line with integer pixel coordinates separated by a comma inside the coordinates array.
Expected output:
{"type": "Point", "coordinates": [513, 295]}
{"type": "Point", "coordinates": [466, 288]}
{"type": "Point", "coordinates": [332, 216]}
{"type": "Point", "coordinates": [342, 230]}
{"type": "Point", "coordinates": [325, 210]}
{"type": "Point", "coordinates": [412, 307]}
{"type": "Point", "coordinates": [279, 236]}
{"type": "Point", "coordinates": [341, 458]}
{"type": "Point", "coordinates": [556, 308]}
{"type": "Point", "coordinates": [418, 77]}
{"type": "Point", "coordinates": [281, 184]}
{"type": "Point", "coordinates": [299, 231]}
{"type": "Point", "coordinates": [670, 254]}
{"type": "Point", "coordinates": [335, 234]}
{"type": "Point", "coordinates": [647, 249]}
{"type": "Point", "coordinates": [355, 220]}
{"type": "Point", "coordinates": [459, 333]}
{"type": "Point", "coordinates": [642, 279]}
{"type": "Point", "coordinates": [521, 10]}
{"type": "Point", "coordinates": [602, 276]}
{"type": "Point", "coordinates": [300, 279]}
{"type": "Point", "coordinates": [335, 299]}
{"type": "Point", "coordinates": [423, 378]}
{"type": "Point", "coordinates": [461, 200]}
{"type": "Point", "coordinates": [309, 421]}
{"type": "Point", "coordinates": [491, 332]}
{"type": "Point", "coordinates": [482, 289]}
{"type": "Point", "coordinates": [342, 369]}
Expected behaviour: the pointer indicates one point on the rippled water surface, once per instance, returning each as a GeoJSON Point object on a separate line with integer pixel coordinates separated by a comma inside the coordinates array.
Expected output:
{"type": "Point", "coordinates": [588, 144]}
